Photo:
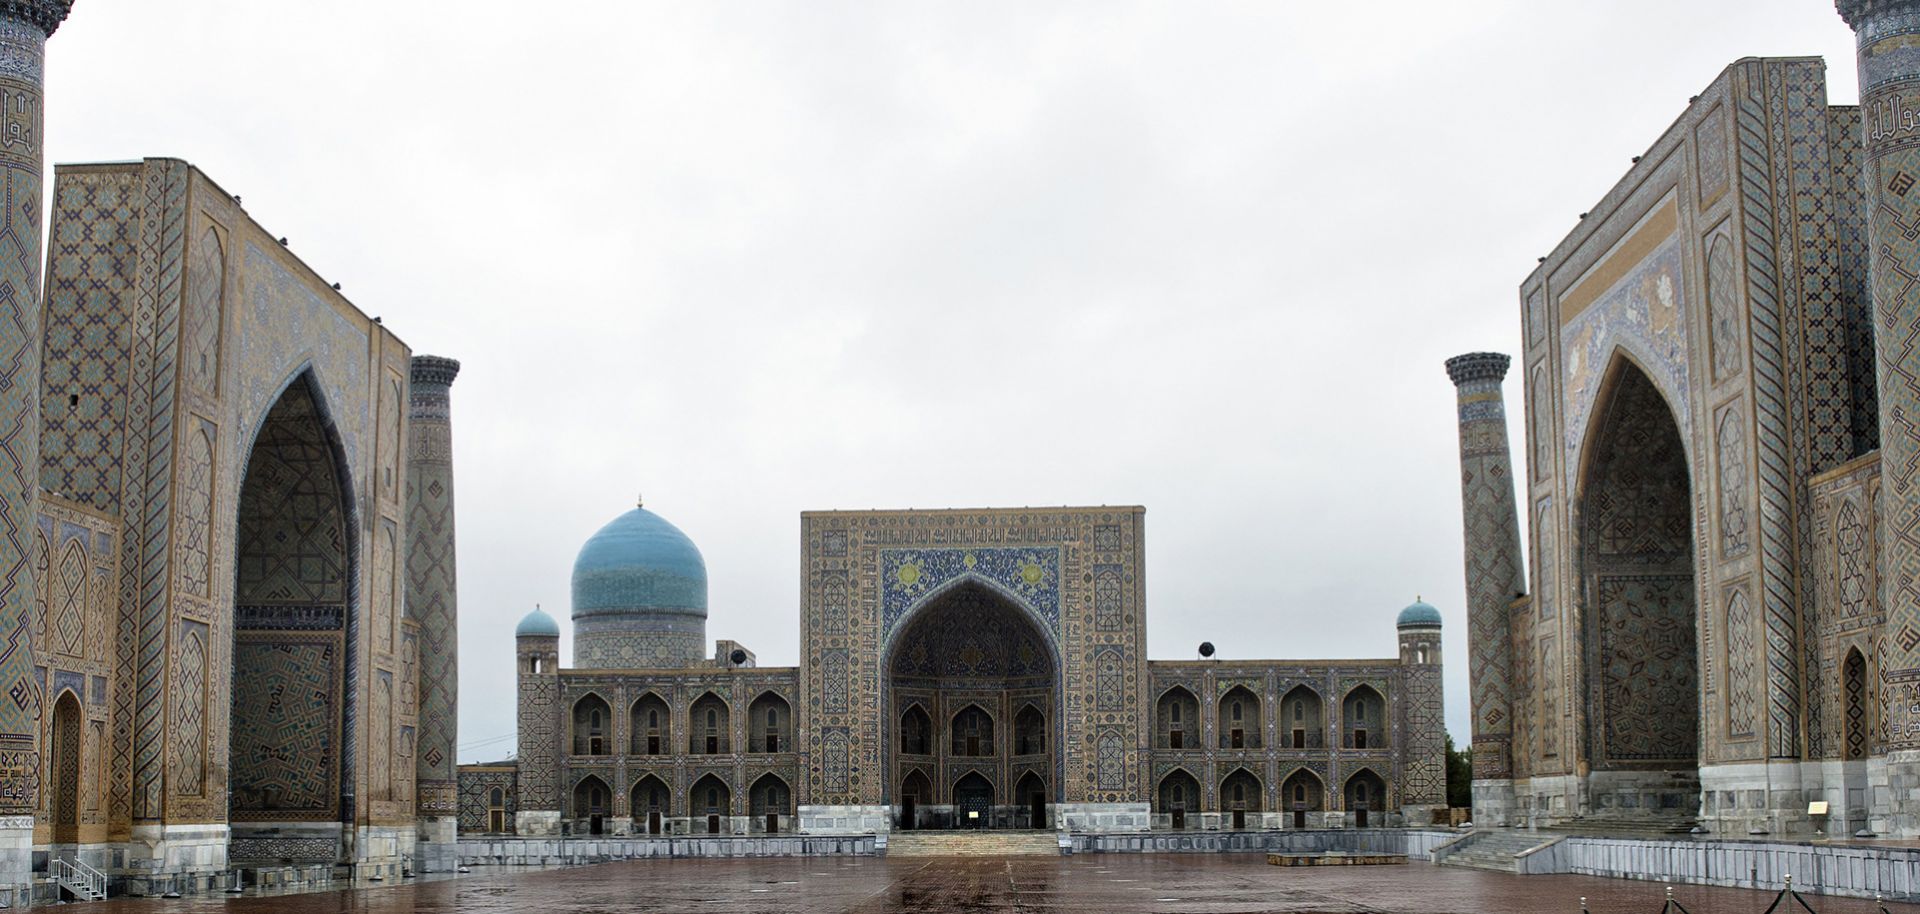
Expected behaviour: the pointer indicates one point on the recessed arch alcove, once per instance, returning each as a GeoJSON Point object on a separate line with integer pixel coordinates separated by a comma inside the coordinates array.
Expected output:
{"type": "Point", "coordinates": [1635, 554]}
{"type": "Point", "coordinates": [972, 683]}
{"type": "Point", "coordinates": [295, 567]}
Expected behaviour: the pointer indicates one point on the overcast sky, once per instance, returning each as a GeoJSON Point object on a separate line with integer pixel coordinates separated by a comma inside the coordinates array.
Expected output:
{"type": "Point", "coordinates": [755, 258]}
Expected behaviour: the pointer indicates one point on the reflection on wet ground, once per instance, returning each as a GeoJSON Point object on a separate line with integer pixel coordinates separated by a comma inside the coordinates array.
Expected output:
{"type": "Point", "coordinates": [1107, 884]}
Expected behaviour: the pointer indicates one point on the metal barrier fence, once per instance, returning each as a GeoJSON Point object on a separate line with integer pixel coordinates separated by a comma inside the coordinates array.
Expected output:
{"type": "Point", "coordinates": [1782, 903]}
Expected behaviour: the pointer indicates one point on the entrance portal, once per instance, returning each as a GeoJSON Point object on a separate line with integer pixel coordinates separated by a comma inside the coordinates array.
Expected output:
{"type": "Point", "coordinates": [972, 687]}
{"type": "Point", "coordinates": [1635, 524]}
{"type": "Point", "coordinates": [295, 558]}
{"type": "Point", "coordinates": [66, 769]}
{"type": "Point", "coordinates": [973, 802]}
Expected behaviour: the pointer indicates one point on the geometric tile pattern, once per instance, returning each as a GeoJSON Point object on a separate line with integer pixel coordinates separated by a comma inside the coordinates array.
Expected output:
{"type": "Point", "coordinates": [20, 164]}
{"type": "Point", "coordinates": [431, 589]}
{"type": "Point", "coordinates": [1647, 685]}
{"type": "Point", "coordinates": [1888, 78]}
{"type": "Point", "coordinates": [292, 546]}
{"type": "Point", "coordinates": [894, 563]}
{"type": "Point", "coordinates": [286, 728]}
{"type": "Point", "coordinates": [1494, 572]}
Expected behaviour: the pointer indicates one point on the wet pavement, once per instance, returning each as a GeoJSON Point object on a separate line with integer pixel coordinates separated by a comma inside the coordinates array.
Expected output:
{"type": "Point", "coordinates": [1103, 884]}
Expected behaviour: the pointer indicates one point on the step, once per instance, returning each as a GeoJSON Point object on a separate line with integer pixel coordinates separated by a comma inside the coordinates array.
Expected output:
{"type": "Point", "coordinates": [972, 844]}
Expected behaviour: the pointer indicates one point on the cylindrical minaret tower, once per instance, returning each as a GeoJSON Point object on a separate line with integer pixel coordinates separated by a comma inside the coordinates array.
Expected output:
{"type": "Point", "coordinates": [25, 26]}
{"type": "Point", "coordinates": [1423, 788]}
{"type": "Point", "coordinates": [537, 655]}
{"type": "Point", "coordinates": [1495, 575]}
{"type": "Point", "coordinates": [431, 601]}
{"type": "Point", "coordinates": [1888, 33]}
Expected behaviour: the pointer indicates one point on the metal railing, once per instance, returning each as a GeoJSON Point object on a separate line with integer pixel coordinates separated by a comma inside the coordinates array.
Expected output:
{"type": "Point", "coordinates": [1783, 903]}
{"type": "Point", "coordinates": [80, 879]}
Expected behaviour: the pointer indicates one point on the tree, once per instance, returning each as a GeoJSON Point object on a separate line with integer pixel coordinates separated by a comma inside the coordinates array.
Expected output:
{"type": "Point", "coordinates": [1459, 776]}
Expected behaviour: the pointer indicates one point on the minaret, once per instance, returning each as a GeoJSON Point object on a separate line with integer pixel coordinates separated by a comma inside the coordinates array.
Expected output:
{"type": "Point", "coordinates": [1888, 32]}
{"type": "Point", "coordinates": [537, 654]}
{"type": "Point", "coordinates": [1423, 786]}
{"type": "Point", "coordinates": [25, 26]}
{"type": "Point", "coordinates": [432, 602]}
{"type": "Point", "coordinates": [1494, 575]}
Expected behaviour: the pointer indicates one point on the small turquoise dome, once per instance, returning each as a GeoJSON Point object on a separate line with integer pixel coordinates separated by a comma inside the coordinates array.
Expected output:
{"type": "Point", "coordinates": [537, 623]}
{"type": "Point", "coordinates": [639, 565]}
{"type": "Point", "coordinates": [1420, 613]}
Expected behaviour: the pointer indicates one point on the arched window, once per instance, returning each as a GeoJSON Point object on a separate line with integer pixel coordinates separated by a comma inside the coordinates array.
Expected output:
{"type": "Point", "coordinates": [1174, 716]}
{"type": "Point", "coordinates": [916, 732]}
{"type": "Point", "coordinates": [972, 732]}
{"type": "Point", "coordinates": [649, 722]}
{"type": "Point", "coordinates": [590, 715]}
{"type": "Point", "coordinates": [1238, 714]}
{"type": "Point", "coordinates": [1029, 732]}
{"type": "Point", "coordinates": [769, 733]}
{"type": "Point", "coordinates": [710, 725]}
{"type": "Point", "coordinates": [1365, 713]}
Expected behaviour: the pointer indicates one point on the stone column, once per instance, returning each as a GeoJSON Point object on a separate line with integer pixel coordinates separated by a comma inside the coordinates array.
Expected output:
{"type": "Point", "coordinates": [25, 26]}
{"type": "Point", "coordinates": [432, 601]}
{"type": "Point", "coordinates": [1495, 575]}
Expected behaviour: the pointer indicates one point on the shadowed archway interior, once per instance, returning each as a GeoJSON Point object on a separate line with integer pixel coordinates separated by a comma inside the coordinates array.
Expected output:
{"type": "Point", "coordinates": [1636, 557]}
{"type": "Point", "coordinates": [973, 669]}
{"type": "Point", "coordinates": [294, 564]}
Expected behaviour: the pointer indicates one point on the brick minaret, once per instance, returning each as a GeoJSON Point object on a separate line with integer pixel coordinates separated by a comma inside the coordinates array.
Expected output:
{"type": "Point", "coordinates": [25, 26]}
{"type": "Point", "coordinates": [431, 600]}
{"type": "Point", "coordinates": [1888, 32]}
{"type": "Point", "coordinates": [1423, 783]}
{"type": "Point", "coordinates": [1494, 575]}
{"type": "Point", "coordinates": [537, 655]}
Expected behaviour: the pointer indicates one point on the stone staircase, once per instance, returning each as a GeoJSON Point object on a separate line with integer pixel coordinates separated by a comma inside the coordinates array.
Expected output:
{"type": "Point", "coordinates": [1628, 824]}
{"type": "Point", "coordinates": [1491, 849]}
{"type": "Point", "coordinates": [978, 843]}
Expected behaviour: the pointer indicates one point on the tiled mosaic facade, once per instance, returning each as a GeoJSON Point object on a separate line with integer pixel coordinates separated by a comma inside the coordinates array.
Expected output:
{"type": "Point", "coordinates": [1700, 383]}
{"type": "Point", "coordinates": [959, 662]}
{"type": "Point", "coordinates": [431, 579]}
{"type": "Point", "coordinates": [229, 431]}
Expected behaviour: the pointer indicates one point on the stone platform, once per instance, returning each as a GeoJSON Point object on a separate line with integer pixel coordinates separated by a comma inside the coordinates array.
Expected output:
{"type": "Point", "coordinates": [1099, 884]}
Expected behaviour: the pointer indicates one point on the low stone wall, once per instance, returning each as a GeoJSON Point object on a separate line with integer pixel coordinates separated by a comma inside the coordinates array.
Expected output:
{"type": "Point", "coordinates": [1829, 869]}
{"type": "Point", "coordinates": [1403, 841]}
{"type": "Point", "coordinates": [498, 851]}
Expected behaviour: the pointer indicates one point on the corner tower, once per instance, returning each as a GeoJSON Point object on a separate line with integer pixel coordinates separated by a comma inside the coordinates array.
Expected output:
{"type": "Point", "coordinates": [432, 602]}
{"type": "Point", "coordinates": [1424, 782]}
{"type": "Point", "coordinates": [25, 26]}
{"type": "Point", "coordinates": [1888, 34]}
{"type": "Point", "coordinates": [537, 656]}
{"type": "Point", "coordinates": [639, 596]}
{"type": "Point", "coordinates": [1494, 574]}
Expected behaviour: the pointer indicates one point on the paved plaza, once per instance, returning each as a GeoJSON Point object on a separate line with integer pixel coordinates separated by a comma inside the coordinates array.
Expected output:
{"type": "Point", "coordinates": [1106, 884]}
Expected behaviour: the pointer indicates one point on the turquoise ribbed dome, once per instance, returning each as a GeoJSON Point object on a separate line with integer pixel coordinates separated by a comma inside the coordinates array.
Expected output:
{"type": "Point", "coordinates": [1420, 613]}
{"type": "Point", "coordinates": [639, 565]}
{"type": "Point", "coordinates": [537, 623]}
